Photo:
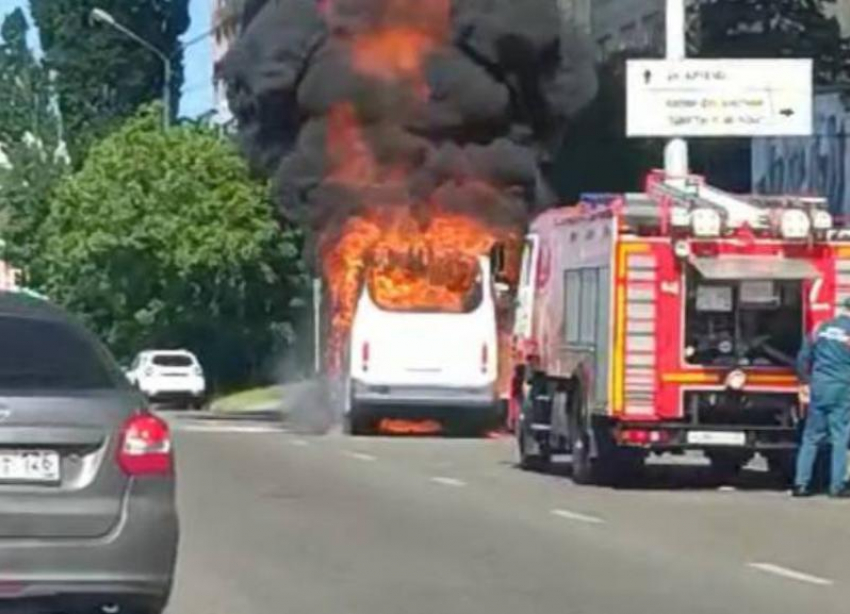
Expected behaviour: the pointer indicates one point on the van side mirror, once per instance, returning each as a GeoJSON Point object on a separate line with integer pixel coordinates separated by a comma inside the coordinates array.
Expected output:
{"type": "Point", "coordinates": [498, 263]}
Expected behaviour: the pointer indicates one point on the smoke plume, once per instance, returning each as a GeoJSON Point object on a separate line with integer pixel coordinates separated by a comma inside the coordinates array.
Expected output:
{"type": "Point", "coordinates": [407, 135]}
{"type": "Point", "coordinates": [498, 83]}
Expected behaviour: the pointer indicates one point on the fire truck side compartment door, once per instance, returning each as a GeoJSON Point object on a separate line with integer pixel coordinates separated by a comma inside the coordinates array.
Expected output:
{"type": "Point", "coordinates": [746, 268]}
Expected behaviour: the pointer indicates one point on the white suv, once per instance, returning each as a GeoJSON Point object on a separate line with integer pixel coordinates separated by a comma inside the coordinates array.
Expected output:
{"type": "Point", "coordinates": [169, 375]}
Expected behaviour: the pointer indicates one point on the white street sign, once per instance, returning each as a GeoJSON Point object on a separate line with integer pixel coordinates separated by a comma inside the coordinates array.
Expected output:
{"type": "Point", "coordinates": [717, 98]}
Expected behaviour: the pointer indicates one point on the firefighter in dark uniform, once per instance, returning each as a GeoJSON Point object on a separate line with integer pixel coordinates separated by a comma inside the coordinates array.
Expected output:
{"type": "Point", "coordinates": [824, 366]}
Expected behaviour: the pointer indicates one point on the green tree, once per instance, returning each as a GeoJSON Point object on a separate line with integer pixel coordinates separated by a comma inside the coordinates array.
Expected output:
{"type": "Point", "coordinates": [30, 139]}
{"type": "Point", "coordinates": [162, 239]}
{"type": "Point", "coordinates": [102, 76]}
{"type": "Point", "coordinates": [773, 29]}
{"type": "Point", "coordinates": [596, 156]}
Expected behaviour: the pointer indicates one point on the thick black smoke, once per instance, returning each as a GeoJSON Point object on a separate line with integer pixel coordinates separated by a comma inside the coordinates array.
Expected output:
{"type": "Point", "coordinates": [501, 92]}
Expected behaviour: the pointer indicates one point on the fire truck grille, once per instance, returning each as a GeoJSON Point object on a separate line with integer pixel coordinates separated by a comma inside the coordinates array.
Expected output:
{"type": "Point", "coordinates": [722, 408]}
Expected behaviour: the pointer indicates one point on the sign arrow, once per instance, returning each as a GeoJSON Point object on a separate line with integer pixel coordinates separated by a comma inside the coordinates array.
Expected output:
{"type": "Point", "coordinates": [647, 76]}
{"type": "Point", "coordinates": [787, 112]}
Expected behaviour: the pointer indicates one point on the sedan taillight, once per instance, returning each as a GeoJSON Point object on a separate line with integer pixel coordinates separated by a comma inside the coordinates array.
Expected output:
{"type": "Point", "coordinates": [145, 446]}
{"type": "Point", "coordinates": [365, 354]}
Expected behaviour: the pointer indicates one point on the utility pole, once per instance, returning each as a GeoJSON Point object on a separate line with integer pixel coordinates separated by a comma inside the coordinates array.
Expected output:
{"type": "Point", "coordinates": [317, 325]}
{"type": "Point", "coordinates": [676, 162]}
{"type": "Point", "coordinates": [106, 18]}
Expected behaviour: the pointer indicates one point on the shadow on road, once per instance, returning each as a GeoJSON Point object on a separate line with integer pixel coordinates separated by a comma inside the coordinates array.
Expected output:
{"type": "Point", "coordinates": [694, 475]}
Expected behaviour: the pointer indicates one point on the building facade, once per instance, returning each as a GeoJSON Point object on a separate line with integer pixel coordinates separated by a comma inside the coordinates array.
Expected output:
{"type": "Point", "coordinates": [227, 16]}
{"type": "Point", "coordinates": [841, 9]}
{"type": "Point", "coordinates": [576, 12]}
{"type": "Point", "coordinates": [815, 166]}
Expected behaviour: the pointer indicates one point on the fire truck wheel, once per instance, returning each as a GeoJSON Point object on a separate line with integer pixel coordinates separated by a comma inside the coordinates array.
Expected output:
{"type": "Point", "coordinates": [584, 467]}
{"type": "Point", "coordinates": [534, 455]}
{"type": "Point", "coordinates": [356, 423]}
{"type": "Point", "coordinates": [726, 467]}
{"type": "Point", "coordinates": [606, 468]}
{"type": "Point", "coordinates": [783, 465]}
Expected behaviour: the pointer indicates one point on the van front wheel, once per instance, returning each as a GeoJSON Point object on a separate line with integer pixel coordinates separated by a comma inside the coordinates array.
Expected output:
{"type": "Point", "coordinates": [357, 423]}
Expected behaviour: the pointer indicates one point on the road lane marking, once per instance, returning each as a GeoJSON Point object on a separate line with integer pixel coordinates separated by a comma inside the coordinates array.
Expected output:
{"type": "Point", "coordinates": [368, 458]}
{"type": "Point", "coordinates": [567, 514]}
{"type": "Point", "coordinates": [453, 482]}
{"type": "Point", "coordinates": [299, 443]}
{"type": "Point", "coordinates": [228, 429]}
{"type": "Point", "coordinates": [790, 574]}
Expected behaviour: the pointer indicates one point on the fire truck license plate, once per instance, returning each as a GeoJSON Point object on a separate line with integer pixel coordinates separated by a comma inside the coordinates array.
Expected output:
{"type": "Point", "coordinates": [717, 438]}
{"type": "Point", "coordinates": [29, 466]}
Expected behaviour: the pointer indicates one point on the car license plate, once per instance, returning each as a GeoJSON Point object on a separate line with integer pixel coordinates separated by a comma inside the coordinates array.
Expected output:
{"type": "Point", "coordinates": [41, 467]}
{"type": "Point", "coordinates": [717, 438]}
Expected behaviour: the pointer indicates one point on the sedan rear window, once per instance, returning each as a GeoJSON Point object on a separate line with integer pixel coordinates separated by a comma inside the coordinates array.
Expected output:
{"type": "Point", "coordinates": [44, 356]}
{"type": "Point", "coordinates": [172, 360]}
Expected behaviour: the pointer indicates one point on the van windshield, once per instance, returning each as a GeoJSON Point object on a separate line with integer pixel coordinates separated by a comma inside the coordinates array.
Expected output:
{"type": "Point", "coordinates": [455, 286]}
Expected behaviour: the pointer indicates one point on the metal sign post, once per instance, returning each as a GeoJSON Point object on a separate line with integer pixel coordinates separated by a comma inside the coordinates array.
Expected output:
{"type": "Point", "coordinates": [317, 325]}
{"type": "Point", "coordinates": [676, 162]}
{"type": "Point", "coordinates": [678, 98]}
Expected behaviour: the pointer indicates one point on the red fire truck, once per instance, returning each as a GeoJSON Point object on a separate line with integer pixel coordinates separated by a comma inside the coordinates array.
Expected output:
{"type": "Point", "coordinates": [669, 321]}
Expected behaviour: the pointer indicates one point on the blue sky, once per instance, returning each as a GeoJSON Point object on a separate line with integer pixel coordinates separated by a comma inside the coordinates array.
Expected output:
{"type": "Point", "coordinates": [197, 88]}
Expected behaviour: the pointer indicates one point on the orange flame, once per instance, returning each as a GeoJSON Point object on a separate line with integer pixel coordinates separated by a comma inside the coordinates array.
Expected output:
{"type": "Point", "coordinates": [393, 53]}
{"type": "Point", "coordinates": [407, 266]}
{"type": "Point", "coordinates": [414, 255]}
{"type": "Point", "coordinates": [410, 427]}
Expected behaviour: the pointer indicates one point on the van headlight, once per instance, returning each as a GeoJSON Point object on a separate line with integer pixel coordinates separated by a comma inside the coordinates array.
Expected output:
{"type": "Point", "coordinates": [795, 224]}
{"type": "Point", "coordinates": [706, 223]}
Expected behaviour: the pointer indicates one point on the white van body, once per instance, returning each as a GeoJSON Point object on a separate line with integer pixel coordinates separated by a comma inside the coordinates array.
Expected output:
{"type": "Point", "coordinates": [409, 360]}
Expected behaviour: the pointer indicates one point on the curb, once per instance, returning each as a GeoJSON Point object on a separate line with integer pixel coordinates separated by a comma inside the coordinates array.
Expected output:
{"type": "Point", "coordinates": [258, 415]}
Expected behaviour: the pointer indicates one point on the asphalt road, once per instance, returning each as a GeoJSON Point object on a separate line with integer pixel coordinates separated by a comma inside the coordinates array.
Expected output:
{"type": "Point", "coordinates": [280, 522]}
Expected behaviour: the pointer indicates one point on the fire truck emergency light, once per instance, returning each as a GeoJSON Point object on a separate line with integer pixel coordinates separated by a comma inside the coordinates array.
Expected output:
{"type": "Point", "coordinates": [706, 223]}
{"type": "Point", "coordinates": [822, 220]}
{"type": "Point", "coordinates": [795, 224]}
{"type": "Point", "coordinates": [680, 218]}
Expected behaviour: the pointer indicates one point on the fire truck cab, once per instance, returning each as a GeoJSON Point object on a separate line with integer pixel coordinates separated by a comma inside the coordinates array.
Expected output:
{"type": "Point", "coordinates": [670, 321]}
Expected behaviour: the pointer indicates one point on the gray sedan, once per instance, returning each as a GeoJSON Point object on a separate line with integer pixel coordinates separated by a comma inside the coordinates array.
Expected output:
{"type": "Point", "coordinates": [87, 513]}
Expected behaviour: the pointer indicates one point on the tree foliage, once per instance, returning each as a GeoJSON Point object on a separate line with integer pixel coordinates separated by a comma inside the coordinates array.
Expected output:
{"type": "Point", "coordinates": [596, 155]}
{"type": "Point", "coordinates": [30, 138]}
{"type": "Point", "coordinates": [762, 29]}
{"type": "Point", "coordinates": [162, 239]}
{"type": "Point", "coordinates": [773, 29]}
{"type": "Point", "coordinates": [102, 76]}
